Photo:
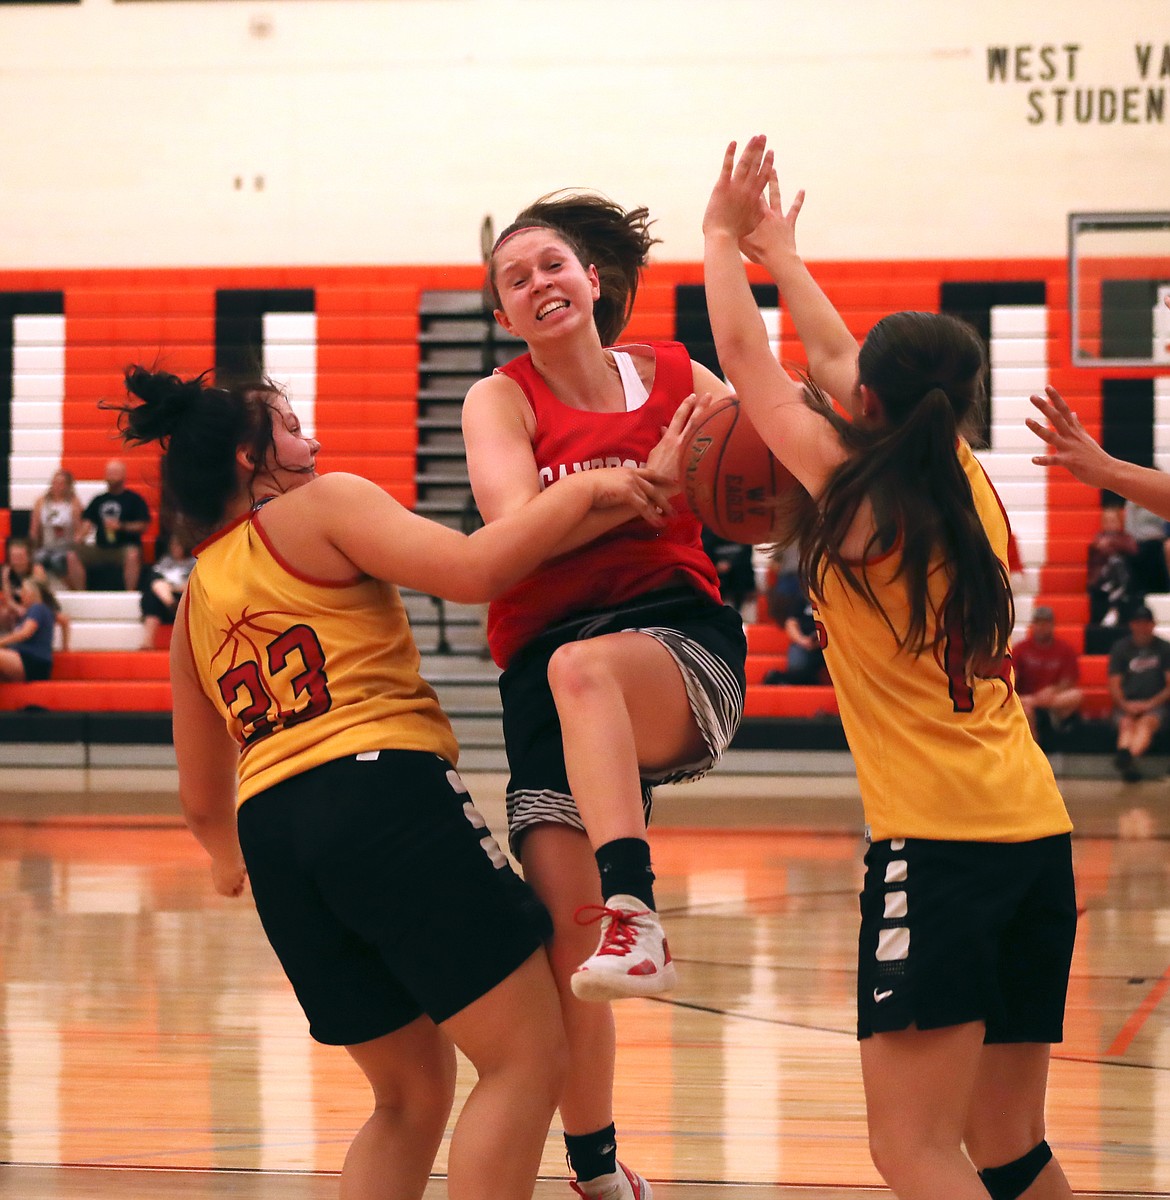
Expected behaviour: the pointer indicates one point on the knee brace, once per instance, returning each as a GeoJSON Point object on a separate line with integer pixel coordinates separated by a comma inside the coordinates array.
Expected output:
{"type": "Point", "coordinates": [1013, 1179]}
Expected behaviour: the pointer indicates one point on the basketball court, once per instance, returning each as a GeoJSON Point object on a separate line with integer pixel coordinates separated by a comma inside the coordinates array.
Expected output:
{"type": "Point", "coordinates": [151, 1047]}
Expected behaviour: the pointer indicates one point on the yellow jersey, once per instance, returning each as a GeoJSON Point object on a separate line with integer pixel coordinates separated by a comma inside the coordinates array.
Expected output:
{"type": "Point", "coordinates": [936, 756]}
{"type": "Point", "coordinates": [304, 670]}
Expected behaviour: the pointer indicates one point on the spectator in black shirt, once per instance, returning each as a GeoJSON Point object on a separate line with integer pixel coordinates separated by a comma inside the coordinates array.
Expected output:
{"type": "Point", "coordinates": [112, 527]}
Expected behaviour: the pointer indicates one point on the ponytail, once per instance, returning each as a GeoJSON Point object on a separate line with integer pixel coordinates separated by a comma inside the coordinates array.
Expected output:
{"type": "Point", "coordinates": [927, 370]}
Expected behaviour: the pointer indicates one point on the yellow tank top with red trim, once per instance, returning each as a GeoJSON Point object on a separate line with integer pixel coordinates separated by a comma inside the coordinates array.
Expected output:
{"type": "Point", "coordinates": [304, 671]}
{"type": "Point", "coordinates": [629, 561]}
{"type": "Point", "coordinates": [936, 757]}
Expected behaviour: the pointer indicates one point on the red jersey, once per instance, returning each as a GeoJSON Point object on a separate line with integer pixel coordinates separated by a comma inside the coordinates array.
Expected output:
{"type": "Point", "coordinates": [628, 561]}
{"type": "Point", "coordinates": [1040, 665]}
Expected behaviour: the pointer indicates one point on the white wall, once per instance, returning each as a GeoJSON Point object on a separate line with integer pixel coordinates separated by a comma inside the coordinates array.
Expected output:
{"type": "Point", "coordinates": [384, 130]}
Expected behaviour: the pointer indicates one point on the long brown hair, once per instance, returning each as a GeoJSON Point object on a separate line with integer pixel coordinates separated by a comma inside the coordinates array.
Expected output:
{"type": "Point", "coordinates": [928, 370]}
{"type": "Point", "coordinates": [601, 234]}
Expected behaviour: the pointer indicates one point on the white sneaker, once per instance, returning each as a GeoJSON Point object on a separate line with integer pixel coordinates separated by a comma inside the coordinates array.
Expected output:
{"type": "Point", "coordinates": [624, 1184]}
{"type": "Point", "coordinates": [632, 957]}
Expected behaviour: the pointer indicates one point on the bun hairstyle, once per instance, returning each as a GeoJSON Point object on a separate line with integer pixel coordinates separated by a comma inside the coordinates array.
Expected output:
{"type": "Point", "coordinates": [601, 234]}
{"type": "Point", "coordinates": [199, 427]}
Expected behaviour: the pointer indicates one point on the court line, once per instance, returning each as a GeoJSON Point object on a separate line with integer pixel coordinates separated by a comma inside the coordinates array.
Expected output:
{"type": "Point", "coordinates": [851, 1033]}
{"type": "Point", "coordinates": [1140, 1015]}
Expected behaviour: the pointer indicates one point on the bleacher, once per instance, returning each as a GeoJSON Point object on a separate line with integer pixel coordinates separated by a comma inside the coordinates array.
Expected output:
{"type": "Point", "coordinates": [354, 346]}
{"type": "Point", "coordinates": [105, 688]}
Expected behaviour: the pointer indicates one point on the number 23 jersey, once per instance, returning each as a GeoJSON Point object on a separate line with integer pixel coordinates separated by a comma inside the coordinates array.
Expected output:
{"type": "Point", "coordinates": [304, 671]}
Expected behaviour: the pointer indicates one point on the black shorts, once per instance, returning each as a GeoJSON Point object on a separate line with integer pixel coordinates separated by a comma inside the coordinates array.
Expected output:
{"type": "Point", "coordinates": [705, 639]}
{"type": "Point", "coordinates": [36, 668]}
{"type": "Point", "coordinates": [953, 932]}
{"type": "Point", "coordinates": [384, 894]}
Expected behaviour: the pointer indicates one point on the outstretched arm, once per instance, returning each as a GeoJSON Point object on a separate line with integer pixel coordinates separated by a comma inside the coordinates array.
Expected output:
{"type": "Point", "coordinates": [799, 437]}
{"type": "Point", "coordinates": [1070, 445]}
{"type": "Point", "coordinates": [395, 544]}
{"type": "Point", "coordinates": [831, 348]}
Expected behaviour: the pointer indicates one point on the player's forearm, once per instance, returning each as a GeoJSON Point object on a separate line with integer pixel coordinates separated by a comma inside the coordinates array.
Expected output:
{"type": "Point", "coordinates": [597, 523]}
{"type": "Point", "coordinates": [207, 796]}
{"type": "Point", "coordinates": [1143, 485]}
{"type": "Point", "coordinates": [823, 333]}
{"type": "Point", "coordinates": [736, 325]}
{"type": "Point", "coordinates": [508, 549]}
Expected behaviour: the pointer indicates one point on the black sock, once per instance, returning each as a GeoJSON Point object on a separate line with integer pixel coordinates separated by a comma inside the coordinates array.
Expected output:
{"type": "Point", "coordinates": [592, 1154]}
{"type": "Point", "coordinates": [625, 870]}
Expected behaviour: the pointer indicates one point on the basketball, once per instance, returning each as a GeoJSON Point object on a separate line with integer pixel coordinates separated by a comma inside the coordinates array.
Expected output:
{"type": "Point", "coordinates": [732, 481]}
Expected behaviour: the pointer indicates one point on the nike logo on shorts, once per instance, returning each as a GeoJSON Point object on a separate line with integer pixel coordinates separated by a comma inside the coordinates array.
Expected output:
{"type": "Point", "coordinates": [878, 997]}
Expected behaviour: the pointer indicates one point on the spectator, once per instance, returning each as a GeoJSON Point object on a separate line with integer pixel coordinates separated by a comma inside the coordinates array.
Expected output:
{"type": "Point", "coordinates": [1047, 677]}
{"type": "Point", "coordinates": [26, 652]}
{"type": "Point", "coordinates": [1139, 682]}
{"type": "Point", "coordinates": [55, 529]}
{"type": "Point", "coordinates": [806, 657]}
{"type": "Point", "coordinates": [1149, 563]}
{"type": "Point", "coordinates": [162, 585]}
{"type": "Point", "coordinates": [1110, 573]}
{"type": "Point", "coordinates": [16, 568]}
{"type": "Point", "coordinates": [733, 565]}
{"type": "Point", "coordinates": [113, 524]}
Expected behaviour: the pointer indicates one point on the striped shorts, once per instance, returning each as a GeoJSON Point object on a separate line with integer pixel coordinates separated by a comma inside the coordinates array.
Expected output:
{"type": "Point", "coordinates": [707, 642]}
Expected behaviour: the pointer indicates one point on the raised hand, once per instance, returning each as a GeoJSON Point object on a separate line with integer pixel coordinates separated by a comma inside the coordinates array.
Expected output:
{"type": "Point", "coordinates": [776, 232]}
{"type": "Point", "coordinates": [1069, 443]}
{"type": "Point", "coordinates": [746, 203]}
{"type": "Point", "coordinates": [737, 204]}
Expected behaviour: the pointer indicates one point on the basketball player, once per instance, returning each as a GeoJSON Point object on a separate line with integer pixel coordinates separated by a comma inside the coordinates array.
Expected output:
{"type": "Point", "coordinates": [968, 907]}
{"type": "Point", "coordinates": [622, 667]}
{"type": "Point", "coordinates": [396, 917]}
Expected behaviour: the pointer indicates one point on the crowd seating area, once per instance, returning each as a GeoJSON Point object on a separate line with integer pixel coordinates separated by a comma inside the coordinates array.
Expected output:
{"type": "Point", "coordinates": [97, 681]}
{"type": "Point", "coordinates": [348, 342]}
{"type": "Point", "coordinates": [105, 671]}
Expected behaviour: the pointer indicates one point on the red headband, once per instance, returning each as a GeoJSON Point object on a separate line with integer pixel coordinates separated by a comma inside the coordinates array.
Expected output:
{"type": "Point", "coordinates": [521, 229]}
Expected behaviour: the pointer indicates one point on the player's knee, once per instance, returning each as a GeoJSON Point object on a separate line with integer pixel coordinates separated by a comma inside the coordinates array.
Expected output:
{"type": "Point", "coordinates": [428, 1102]}
{"type": "Point", "coordinates": [541, 1056]}
{"type": "Point", "coordinates": [888, 1150]}
{"type": "Point", "coordinates": [1013, 1179]}
{"type": "Point", "coordinates": [575, 669]}
{"type": "Point", "coordinates": [421, 1098]}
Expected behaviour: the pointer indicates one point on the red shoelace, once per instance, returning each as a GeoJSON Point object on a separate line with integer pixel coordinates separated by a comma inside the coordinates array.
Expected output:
{"type": "Point", "coordinates": [619, 938]}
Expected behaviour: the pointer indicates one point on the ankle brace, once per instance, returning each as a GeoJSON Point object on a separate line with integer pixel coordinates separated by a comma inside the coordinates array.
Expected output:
{"type": "Point", "coordinates": [1013, 1179]}
{"type": "Point", "coordinates": [592, 1154]}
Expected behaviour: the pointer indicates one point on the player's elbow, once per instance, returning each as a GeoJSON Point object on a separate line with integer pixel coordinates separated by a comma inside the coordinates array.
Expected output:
{"type": "Point", "coordinates": [734, 346]}
{"type": "Point", "coordinates": [744, 360]}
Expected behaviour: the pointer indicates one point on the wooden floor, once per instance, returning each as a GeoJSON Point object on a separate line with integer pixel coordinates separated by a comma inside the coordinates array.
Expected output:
{"type": "Point", "coordinates": [150, 1047]}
